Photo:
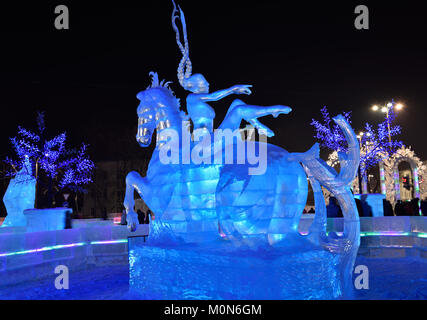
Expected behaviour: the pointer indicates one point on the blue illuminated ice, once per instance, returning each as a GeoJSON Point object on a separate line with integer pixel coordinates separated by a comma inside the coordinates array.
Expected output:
{"type": "Point", "coordinates": [198, 206]}
{"type": "Point", "coordinates": [20, 195]}
{"type": "Point", "coordinates": [227, 209]}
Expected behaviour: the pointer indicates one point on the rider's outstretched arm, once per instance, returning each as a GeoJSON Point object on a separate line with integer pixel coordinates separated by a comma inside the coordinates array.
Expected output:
{"type": "Point", "coordinates": [218, 95]}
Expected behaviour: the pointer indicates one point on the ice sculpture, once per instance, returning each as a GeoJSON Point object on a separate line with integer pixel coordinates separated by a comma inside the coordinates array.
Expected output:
{"type": "Point", "coordinates": [20, 195]}
{"type": "Point", "coordinates": [182, 194]}
{"type": "Point", "coordinates": [202, 199]}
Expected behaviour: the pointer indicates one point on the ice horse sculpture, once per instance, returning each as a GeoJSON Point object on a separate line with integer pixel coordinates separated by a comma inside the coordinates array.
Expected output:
{"type": "Point", "coordinates": [20, 195]}
{"type": "Point", "coordinates": [221, 232]}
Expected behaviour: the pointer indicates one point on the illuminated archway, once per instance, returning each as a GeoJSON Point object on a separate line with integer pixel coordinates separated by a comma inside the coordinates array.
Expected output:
{"type": "Point", "coordinates": [390, 178]}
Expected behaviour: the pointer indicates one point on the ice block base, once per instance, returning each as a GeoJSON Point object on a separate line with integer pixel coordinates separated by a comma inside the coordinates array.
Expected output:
{"type": "Point", "coordinates": [219, 270]}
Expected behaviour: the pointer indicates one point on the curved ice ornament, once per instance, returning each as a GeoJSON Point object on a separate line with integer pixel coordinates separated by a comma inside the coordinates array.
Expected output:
{"type": "Point", "coordinates": [319, 173]}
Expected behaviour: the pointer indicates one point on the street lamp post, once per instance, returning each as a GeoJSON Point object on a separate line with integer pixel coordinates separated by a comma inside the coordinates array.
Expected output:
{"type": "Point", "coordinates": [358, 171]}
{"type": "Point", "coordinates": [386, 109]}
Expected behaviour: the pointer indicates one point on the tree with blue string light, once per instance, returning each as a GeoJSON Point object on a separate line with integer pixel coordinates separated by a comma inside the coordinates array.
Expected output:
{"type": "Point", "coordinates": [55, 167]}
{"type": "Point", "coordinates": [376, 144]}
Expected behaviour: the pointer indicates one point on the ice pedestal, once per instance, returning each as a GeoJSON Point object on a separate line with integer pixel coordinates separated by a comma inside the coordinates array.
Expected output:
{"type": "Point", "coordinates": [20, 195]}
{"type": "Point", "coordinates": [372, 201]}
{"type": "Point", "coordinates": [219, 270]}
{"type": "Point", "coordinates": [47, 219]}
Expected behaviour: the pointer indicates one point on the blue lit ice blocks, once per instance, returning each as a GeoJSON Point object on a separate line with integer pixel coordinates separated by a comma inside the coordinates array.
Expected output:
{"type": "Point", "coordinates": [20, 195]}
{"type": "Point", "coordinates": [218, 270]}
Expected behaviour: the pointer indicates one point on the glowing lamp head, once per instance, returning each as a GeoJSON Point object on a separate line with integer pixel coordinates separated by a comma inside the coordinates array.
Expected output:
{"type": "Point", "coordinates": [389, 104]}
{"type": "Point", "coordinates": [375, 108]}
{"type": "Point", "coordinates": [399, 106]}
{"type": "Point", "coordinates": [383, 109]}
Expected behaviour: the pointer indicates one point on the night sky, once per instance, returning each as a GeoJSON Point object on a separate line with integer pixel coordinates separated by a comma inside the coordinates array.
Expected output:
{"type": "Point", "coordinates": [304, 56]}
